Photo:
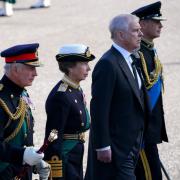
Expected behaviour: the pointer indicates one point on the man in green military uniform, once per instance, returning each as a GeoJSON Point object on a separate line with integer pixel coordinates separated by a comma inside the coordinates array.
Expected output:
{"type": "Point", "coordinates": [16, 124]}
{"type": "Point", "coordinates": [148, 166]}
{"type": "Point", "coordinates": [7, 9]}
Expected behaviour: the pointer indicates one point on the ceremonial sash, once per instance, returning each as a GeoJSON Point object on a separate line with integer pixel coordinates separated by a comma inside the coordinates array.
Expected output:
{"type": "Point", "coordinates": [154, 93]}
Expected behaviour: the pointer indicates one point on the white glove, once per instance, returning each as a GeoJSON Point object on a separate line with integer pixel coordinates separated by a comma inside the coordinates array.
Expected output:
{"type": "Point", "coordinates": [31, 157]}
{"type": "Point", "coordinates": [43, 169]}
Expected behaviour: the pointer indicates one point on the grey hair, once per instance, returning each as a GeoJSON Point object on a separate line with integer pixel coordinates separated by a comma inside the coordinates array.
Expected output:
{"type": "Point", "coordinates": [121, 23]}
{"type": "Point", "coordinates": [8, 67]}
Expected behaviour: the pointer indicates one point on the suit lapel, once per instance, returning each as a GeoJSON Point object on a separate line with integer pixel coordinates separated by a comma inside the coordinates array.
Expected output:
{"type": "Point", "coordinates": [127, 72]}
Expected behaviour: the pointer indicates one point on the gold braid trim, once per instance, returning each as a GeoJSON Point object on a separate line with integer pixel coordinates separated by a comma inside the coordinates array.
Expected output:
{"type": "Point", "coordinates": [20, 113]}
{"type": "Point", "coordinates": [150, 80]}
{"type": "Point", "coordinates": [17, 114]}
{"type": "Point", "coordinates": [15, 132]}
{"type": "Point", "coordinates": [146, 166]}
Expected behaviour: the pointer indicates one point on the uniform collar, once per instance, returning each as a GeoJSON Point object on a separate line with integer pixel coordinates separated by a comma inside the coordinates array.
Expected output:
{"type": "Point", "coordinates": [72, 84]}
{"type": "Point", "coordinates": [14, 88]}
{"type": "Point", "coordinates": [147, 44]}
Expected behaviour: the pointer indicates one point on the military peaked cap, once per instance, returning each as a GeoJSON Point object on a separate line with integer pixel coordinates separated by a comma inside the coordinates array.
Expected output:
{"type": "Point", "coordinates": [151, 11]}
{"type": "Point", "coordinates": [24, 53]}
{"type": "Point", "coordinates": [74, 52]}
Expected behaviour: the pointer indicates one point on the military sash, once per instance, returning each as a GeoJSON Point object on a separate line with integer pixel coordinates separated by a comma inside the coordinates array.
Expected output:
{"type": "Point", "coordinates": [154, 92]}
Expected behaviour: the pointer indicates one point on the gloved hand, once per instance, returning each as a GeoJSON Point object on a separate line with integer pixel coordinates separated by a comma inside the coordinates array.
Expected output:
{"type": "Point", "coordinates": [43, 169]}
{"type": "Point", "coordinates": [31, 157]}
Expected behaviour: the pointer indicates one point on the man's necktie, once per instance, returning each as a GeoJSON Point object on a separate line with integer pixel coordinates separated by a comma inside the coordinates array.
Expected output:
{"type": "Point", "coordinates": [134, 72]}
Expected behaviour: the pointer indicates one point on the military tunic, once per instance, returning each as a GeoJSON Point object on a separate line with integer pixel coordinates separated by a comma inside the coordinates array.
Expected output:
{"type": "Point", "coordinates": [156, 131]}
{"type": "Point", "coordinates": [15, 133]}
{"type": "Point", "coordinates": [66, 112]}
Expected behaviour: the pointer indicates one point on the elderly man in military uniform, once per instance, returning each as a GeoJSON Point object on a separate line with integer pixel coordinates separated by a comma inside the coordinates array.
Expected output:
{"type": "Point", "coordinates": [16, 125]}
{"type": "Point", "coordinates": [7, 8]}
{"type": "Point", "coordinates": [150, 20]}
{"type": "Point", "coordinates": [66, 111]}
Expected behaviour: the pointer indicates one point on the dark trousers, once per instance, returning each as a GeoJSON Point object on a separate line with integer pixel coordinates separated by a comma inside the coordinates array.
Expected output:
{"type": "Point", "coordinates": [74, 166]}
{"type": "Point", "coordinates": [115, 170]}
{"type": "Point", "coordinates": [126, 170]}
{"type": "Point", "coordinates": [152, 155]}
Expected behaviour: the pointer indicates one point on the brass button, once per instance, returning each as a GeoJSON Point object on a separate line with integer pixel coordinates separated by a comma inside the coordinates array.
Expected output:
{"type": "Point", "coordinates": [75, 100]}
{"type": "Point", "coordinates": [12, 96]}
{"type": "Point", "coordinates": [80, 112]}
{"type": "Point", "coordinates": [82, 124]}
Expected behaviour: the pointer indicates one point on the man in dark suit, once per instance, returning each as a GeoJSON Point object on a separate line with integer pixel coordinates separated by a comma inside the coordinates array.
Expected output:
{"type": "Point", "coordinates": [148, 166]}
{"type": "Point", "coordinates": [118, 106]}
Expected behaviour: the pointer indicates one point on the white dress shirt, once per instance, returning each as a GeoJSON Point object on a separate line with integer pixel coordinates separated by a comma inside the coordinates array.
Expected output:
{"type": "Point", "coordinates": [127, 56]}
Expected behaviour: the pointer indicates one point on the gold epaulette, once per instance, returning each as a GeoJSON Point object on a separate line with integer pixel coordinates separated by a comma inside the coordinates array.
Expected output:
{"type": "Point", "coordinates": [56, 167]}
{"type": "Point", "coordinates": [63, 87]}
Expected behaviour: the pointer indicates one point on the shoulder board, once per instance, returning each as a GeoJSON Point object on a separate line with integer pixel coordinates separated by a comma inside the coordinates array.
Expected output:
{"type": "Point", "coordinates": [63, 87]}
{"type": "Point", "coordinates": [1, 87]}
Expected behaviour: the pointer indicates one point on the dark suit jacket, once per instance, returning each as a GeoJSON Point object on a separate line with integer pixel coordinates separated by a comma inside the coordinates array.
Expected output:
{"type": "Point", "coordinates": [117, 111]}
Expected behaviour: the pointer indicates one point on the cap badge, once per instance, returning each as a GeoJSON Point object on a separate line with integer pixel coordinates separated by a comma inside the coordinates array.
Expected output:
{"type": "Point", "coordinates": [87, 53]}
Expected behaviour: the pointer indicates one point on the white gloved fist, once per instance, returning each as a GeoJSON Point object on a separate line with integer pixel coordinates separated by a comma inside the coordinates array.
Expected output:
{"type": "Point", "coordinates": [31, 157]}
{"type": "Point", "coordinates": [43, 169]}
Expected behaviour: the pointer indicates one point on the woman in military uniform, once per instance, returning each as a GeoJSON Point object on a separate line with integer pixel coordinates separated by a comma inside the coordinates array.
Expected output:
{"type": "Point", "coordinates": [66, 111]}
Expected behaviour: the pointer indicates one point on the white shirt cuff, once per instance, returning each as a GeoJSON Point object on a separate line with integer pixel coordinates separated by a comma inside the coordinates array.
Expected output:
{"type": "Point", "coordinates": [104, 149]}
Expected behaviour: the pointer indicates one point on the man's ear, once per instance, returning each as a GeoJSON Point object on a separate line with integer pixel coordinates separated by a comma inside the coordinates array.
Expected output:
{"type": "Point", "coordinates": [120, 35]}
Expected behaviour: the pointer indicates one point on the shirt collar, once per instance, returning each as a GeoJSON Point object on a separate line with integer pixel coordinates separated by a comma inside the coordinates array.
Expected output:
{"type": "Point", "coordinates": [123, 51]}
{"type": "Point", "coordinates": [126, 54]}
